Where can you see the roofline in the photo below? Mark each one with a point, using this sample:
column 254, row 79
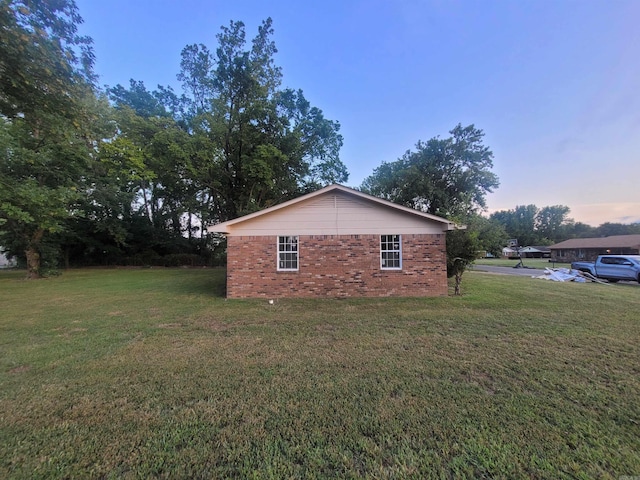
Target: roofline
column 224, row 227
column 599, row 242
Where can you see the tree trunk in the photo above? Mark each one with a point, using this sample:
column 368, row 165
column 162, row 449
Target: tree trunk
column 33, row 263
column 146, row 202
column 458, row 277
column 33, row 255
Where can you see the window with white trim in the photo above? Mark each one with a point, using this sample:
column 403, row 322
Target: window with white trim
column 390, row 252
column 288, row 253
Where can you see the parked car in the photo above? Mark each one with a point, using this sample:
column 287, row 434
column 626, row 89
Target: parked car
column 612, row 267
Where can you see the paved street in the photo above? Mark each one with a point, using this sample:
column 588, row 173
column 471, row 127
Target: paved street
column 527, row 272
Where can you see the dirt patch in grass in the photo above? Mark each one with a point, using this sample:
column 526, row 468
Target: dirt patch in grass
column 20, row 369
column 170, row 325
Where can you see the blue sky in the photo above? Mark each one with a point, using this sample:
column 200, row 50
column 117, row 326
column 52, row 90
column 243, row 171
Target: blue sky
column 553, row 84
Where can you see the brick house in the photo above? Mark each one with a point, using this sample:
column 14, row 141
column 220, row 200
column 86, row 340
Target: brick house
column 588, row 249
column 336, row 242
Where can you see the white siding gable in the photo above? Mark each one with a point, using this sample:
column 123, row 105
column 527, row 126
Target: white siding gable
column 336, row 213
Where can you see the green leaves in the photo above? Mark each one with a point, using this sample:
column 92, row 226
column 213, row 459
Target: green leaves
column 265, row 145
column 446, row 177
column 123, row 159
column 154, row 167
column 44, row 62
column 31, row 202
column 531, row 225
column 46, row 92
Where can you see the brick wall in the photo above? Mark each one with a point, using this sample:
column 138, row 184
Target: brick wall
column 336, row 266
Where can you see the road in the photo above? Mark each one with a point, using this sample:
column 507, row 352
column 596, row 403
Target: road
column 525, row 272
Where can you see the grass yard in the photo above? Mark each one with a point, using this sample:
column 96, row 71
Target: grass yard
column 152, row 373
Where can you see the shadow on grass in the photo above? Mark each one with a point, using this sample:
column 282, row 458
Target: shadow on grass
column 13, row 274
column 211, row 284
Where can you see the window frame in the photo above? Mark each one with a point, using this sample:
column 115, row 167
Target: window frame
column 282, row 241
column 385, row 241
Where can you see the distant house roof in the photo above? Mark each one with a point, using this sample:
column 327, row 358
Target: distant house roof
column 226, row 227
column 536, row 248
column 542, row 248
column 6, row 261
column 614, row 241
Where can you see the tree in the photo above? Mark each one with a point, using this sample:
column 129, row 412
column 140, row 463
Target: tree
column 446, row 177
column 579, row 230
column 607, row 229
column 46, row 101
column 462, row 250
column 256, row 145
column 531, row 225
column 148, row 171
column 520, row 223
column 551, row 222
column 464, row 245
column 490, row 234
column 43, row 60
column 149, row 134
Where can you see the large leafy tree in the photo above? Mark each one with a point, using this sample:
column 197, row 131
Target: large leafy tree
column 230, row 143
column 449, row 177
column 151, row 168
column 609, row 228
column 551, row 223
column 148, row 132
column 531, row 225
column 43, row 59
column 138, row 195
column 46, row 101
column 580, row 230
column 256, row 144
column 520, row 223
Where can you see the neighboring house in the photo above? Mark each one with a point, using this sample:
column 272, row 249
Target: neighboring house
column 535, row 251
column 6, row 262
column 336, row 242
column 589, row 248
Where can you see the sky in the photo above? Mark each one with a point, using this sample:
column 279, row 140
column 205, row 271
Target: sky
column 553, row 84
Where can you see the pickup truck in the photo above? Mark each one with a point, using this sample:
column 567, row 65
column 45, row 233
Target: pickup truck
column 612, row 267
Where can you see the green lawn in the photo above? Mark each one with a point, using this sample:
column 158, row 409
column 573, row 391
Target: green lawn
column 152, row 373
